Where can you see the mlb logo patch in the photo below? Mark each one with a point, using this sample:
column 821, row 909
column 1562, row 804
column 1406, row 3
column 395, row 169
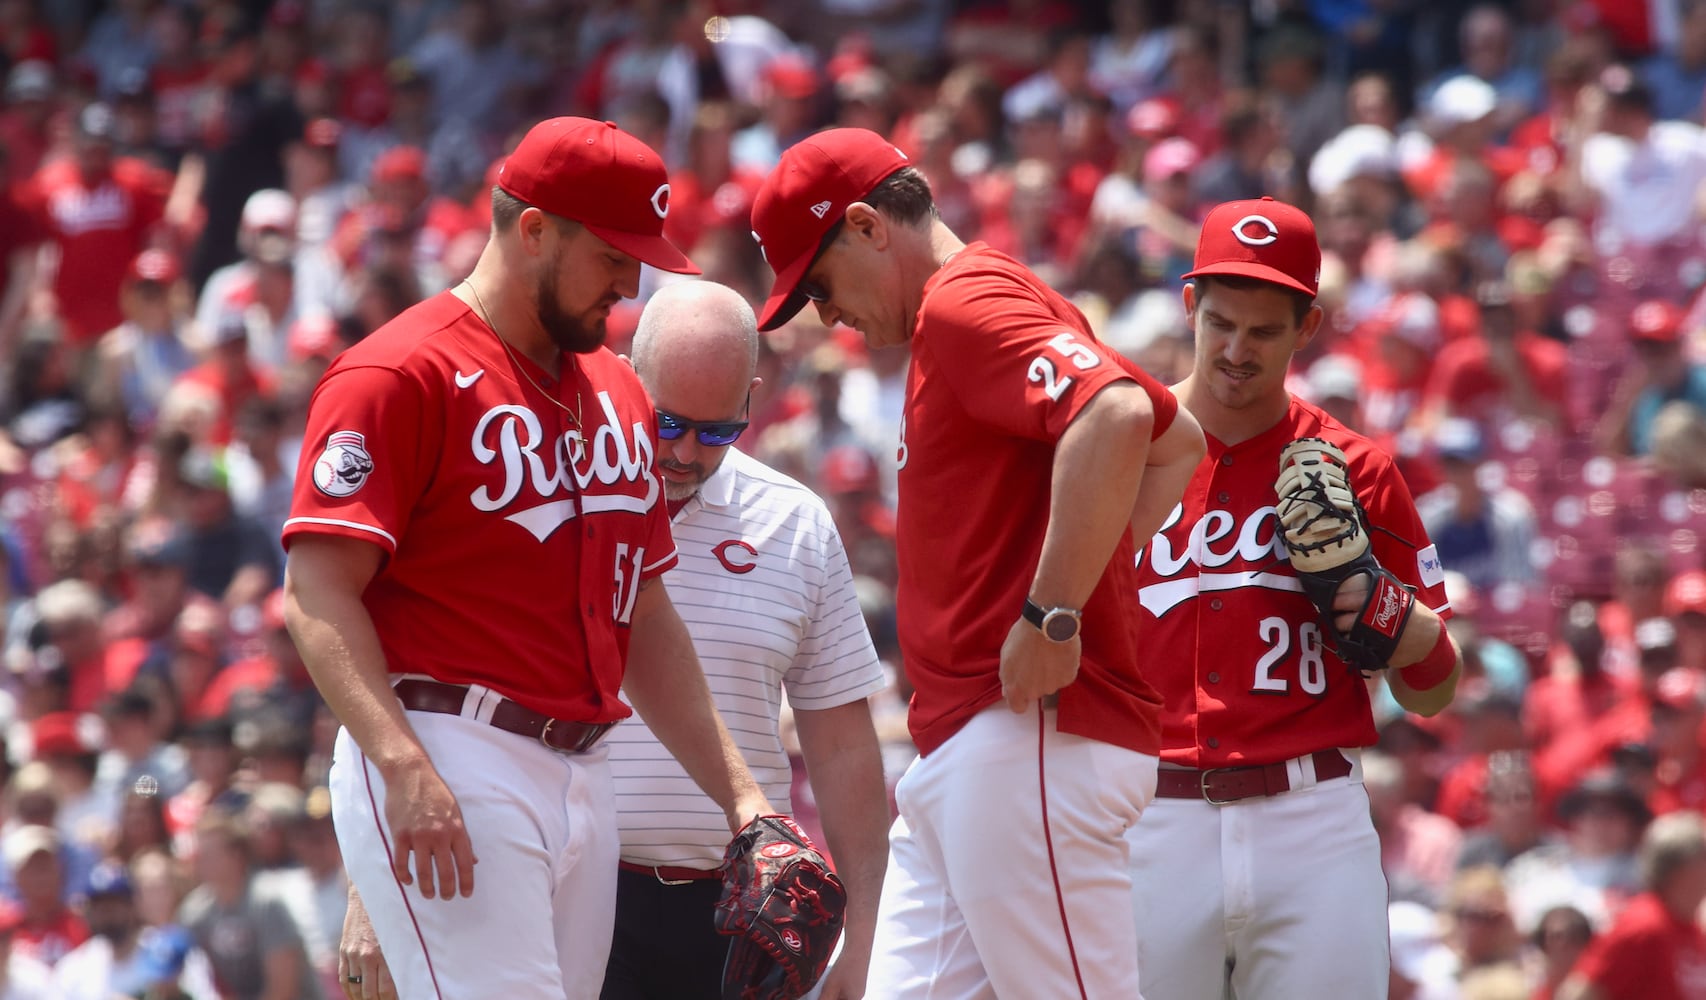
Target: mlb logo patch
column 1429, row 568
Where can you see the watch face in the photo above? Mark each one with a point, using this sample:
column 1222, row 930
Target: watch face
column 1060, row 627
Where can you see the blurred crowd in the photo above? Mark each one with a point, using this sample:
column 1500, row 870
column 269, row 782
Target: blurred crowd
column 203, row 201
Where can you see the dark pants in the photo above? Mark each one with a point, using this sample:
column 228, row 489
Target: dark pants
column 665, row 946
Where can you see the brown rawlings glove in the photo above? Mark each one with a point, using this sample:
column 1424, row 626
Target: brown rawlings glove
column 1326, row 534
column 784, row 908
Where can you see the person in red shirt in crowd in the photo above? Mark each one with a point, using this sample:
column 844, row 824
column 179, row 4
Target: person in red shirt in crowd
column 1506, row 373
column 1655, row 950
column 156, row 554
column 213, row 760
column 699, row 188
column 1576, row 690
column 1685, row 606
column 1009, row 38
column 401, row 204
column 275, row 676
column 50, row 929
column 20, row 235
column 1461, row 114
column 177, row 79
column 228, row 374
column 1678, row 709
column 1541, row 139
column 1638, row 580
column 24, row 121
column 100, row 212
column 1492, row 724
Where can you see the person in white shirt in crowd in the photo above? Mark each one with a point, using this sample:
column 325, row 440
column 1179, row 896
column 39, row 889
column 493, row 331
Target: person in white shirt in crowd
column 1639, row 177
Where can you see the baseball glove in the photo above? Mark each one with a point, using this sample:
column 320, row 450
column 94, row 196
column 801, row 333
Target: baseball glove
column 1326, row 535
column 784, row 908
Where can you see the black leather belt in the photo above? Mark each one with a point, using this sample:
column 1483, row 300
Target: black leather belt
column 556, row 734
column 1221, row 785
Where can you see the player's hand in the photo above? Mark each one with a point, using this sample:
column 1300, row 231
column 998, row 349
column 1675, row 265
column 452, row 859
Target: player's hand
column 1033, row 666
column 1348, row 601
column 359, row 957
column 426, row 822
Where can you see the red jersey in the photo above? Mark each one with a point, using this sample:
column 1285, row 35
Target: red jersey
column 51, row 941
column 516, row 541
column 1250, row 677
column 1001, row 363
column 1647, row 955
column 99, row 229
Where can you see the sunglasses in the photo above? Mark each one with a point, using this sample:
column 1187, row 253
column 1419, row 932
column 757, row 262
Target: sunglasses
column 813, row 291
column 711, row 433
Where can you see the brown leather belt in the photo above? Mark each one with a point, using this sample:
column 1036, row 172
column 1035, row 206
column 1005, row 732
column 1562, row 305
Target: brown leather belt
column 671, row 875
column 556, row 734
column 1220, row 785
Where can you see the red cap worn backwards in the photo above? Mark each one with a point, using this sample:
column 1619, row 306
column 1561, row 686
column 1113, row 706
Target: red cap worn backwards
column 601, row 177
column 1262, row 238
column 803, row 199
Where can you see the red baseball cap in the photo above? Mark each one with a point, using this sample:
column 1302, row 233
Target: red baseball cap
column 1657, row 321
column 601, row 177
column 803, row 199
column 1264, row 239
column 399, row 163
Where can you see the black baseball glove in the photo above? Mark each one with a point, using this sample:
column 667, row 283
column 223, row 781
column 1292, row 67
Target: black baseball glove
column 1326, row 534
column 784, row 908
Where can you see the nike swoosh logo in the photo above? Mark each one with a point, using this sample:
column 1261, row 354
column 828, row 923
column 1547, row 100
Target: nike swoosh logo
column 464, row 381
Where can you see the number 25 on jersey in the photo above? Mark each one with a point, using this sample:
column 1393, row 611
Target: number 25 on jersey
column 1045, row 372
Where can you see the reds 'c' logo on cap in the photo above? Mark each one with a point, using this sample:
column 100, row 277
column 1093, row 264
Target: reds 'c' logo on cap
column 660, row 201
column 1255, row 230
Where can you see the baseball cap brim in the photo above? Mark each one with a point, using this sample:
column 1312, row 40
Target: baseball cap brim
column 786, row 299
column 654, row 250
column 1251, row 269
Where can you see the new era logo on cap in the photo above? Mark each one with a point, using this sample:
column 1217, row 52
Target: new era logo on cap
column 804, row 197
column 1263, row 239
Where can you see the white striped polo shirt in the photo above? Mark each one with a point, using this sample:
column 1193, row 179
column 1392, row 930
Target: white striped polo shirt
column 766, row 591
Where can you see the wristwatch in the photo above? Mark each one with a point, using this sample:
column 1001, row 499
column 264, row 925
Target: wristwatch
column 1057, row 624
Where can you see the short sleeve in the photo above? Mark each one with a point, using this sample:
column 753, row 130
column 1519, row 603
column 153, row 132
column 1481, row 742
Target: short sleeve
column 369, row 452
column 1011, row 362
column 1161, row 398
column 835, row 662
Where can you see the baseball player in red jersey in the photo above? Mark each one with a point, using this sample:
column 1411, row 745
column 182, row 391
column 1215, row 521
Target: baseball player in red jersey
column 1037, row 728
column 474, row 543
column 1256, row 871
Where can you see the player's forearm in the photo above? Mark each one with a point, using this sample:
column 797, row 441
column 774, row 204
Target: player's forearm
column 340, row 647
column 1173, row 460
column 1421, row 632
column 666, row 685
column 1098, row 469
column 846, row 766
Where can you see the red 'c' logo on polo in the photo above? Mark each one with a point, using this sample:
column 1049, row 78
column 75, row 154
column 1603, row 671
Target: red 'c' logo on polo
column 727, row 555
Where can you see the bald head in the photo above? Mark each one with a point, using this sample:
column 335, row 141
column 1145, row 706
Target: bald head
column 696, row 328
column 696, row 350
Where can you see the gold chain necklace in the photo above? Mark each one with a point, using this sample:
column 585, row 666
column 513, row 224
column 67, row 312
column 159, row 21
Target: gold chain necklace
column 485, row 314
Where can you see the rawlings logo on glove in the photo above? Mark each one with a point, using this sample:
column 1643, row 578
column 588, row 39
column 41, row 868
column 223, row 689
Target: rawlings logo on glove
column 784, row 908
column 1325, row 530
